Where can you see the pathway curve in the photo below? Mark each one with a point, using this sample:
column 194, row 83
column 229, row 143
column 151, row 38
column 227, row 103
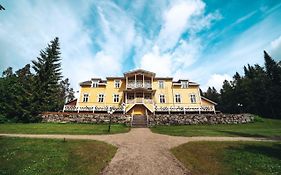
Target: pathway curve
column 142, row 152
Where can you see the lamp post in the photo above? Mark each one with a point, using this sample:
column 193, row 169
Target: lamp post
column 240, row 106
column 110, row 112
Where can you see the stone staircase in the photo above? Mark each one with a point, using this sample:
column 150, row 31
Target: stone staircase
column 139, row 121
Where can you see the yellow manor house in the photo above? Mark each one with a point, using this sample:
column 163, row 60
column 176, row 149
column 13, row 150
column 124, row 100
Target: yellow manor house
column 140, row 92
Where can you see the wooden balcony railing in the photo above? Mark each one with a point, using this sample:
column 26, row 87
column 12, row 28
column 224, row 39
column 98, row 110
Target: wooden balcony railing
column 139, row 84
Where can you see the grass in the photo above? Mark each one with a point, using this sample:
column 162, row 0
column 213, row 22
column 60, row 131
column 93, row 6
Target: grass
column 49, row 156
column 213, row 158
column 261, row 128
column 54, row 128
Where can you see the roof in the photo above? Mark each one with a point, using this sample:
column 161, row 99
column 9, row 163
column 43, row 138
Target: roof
column 86, row 83
column 163, row 78
column 209, row 100
column 114, row 77
column 139, row 71
column 71, row 102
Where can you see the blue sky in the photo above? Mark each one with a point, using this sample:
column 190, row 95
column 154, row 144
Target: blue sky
column 205, row 41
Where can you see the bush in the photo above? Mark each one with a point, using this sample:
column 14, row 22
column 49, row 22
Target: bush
column 258, row 119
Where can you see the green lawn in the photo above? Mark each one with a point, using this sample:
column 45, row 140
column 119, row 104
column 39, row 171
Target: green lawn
column 53, row 128
column 49, row 156
column 265, row 128
column 213, row 158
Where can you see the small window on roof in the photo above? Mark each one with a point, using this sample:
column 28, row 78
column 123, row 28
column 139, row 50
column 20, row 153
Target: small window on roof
column 95, row 84
column 184, row 84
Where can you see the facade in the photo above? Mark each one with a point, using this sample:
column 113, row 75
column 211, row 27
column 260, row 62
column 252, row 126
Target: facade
column 140, row 92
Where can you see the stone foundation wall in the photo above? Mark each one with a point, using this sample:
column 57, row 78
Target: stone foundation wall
column 158, row 119
column 193, row 119
column 84, row 118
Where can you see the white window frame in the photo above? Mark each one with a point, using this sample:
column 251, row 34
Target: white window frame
column 163, row 99
column 161, row 86
column 95, row 84
column 86, row 99
column 101, row 98
column 117, row 82
column 176, row 99
column 192, row 98
column 116, row 98
column 184, row 84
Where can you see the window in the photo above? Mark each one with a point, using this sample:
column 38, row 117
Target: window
column 192, row 98
column 117, row 83
column 162, row 98
column 130, row 96
column 85, row 97
column 101, row 98
column 178, row 98
column 116, row 98
column 184, row 84
column 95, row 84
column 161, row 84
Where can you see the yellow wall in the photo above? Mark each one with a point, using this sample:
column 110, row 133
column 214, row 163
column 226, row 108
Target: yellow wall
column 169, row 91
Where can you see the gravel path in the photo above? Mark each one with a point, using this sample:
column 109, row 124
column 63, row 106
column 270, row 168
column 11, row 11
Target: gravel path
column 141, row 151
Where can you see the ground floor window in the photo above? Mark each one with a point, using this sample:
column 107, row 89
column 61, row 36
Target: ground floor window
column 162, row 98
column 192, row 98
column 178, row 98
column 85, row 97
column 101, row 98
column 116, row 98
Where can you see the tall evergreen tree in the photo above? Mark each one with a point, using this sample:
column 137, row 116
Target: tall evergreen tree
column 47, row 78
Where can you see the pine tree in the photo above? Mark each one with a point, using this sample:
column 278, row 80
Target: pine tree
column 47, row 78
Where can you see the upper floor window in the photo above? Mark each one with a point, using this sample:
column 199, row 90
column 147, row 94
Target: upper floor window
column 85, row 97
column 116, row 98
column 162, row 98
column 95, row 84
column 101, row 98
column 192, row 98
column 178, row 98
column 117, row 83
column 184, row 84
column 161, row 84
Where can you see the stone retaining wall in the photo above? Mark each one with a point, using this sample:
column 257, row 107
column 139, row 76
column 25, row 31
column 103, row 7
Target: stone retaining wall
column 193, row 119
column 158, row 119
column 84, row 118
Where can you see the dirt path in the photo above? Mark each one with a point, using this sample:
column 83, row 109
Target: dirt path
column 141, row 151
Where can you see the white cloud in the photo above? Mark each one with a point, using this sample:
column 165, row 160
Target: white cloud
column 156, row 62
column 176, row 54
column 216, row 80
column 275, row 49
column 175, row 21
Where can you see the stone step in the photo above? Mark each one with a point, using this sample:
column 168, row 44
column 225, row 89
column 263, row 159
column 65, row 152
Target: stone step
column 139, row 121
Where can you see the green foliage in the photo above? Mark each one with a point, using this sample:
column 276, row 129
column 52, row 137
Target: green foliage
column 257, row 92
column 24, row 95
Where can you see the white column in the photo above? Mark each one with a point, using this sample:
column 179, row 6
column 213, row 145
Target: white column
column 126, row 97
column 126, row 82
column 143, row 80
column 135, row 80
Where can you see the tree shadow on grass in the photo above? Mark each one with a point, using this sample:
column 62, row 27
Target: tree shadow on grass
column 272, row 151
column 241, row 134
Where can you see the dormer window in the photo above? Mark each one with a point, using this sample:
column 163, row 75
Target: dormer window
column 95, row 84
column 184, row 84
column 117, row 83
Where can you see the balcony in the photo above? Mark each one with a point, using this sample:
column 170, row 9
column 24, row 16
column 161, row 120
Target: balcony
column 132, row 84
column 139, row 101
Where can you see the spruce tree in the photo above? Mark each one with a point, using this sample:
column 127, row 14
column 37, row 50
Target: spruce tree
column 47, row 78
